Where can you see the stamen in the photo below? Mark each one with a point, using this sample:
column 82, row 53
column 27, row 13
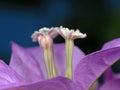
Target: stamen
column 69, row 36
column 45, row 38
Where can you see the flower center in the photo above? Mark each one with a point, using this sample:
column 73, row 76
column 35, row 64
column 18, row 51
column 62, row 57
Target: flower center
column 45, row 38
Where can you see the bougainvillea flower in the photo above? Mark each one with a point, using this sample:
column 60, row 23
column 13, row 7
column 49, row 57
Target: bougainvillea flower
column 31, row 71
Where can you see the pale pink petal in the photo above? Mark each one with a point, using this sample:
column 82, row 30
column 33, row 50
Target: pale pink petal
column 58, row 83
column 93, row 65
column 7, row 75
column 24, row 64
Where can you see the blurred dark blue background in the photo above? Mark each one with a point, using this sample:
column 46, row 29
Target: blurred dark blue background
column 100, row 19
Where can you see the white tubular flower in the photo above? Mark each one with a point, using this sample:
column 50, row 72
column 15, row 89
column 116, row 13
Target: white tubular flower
column 69, row 35
column 45, row 38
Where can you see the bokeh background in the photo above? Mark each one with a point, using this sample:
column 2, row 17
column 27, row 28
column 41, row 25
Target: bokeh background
column 100, row 19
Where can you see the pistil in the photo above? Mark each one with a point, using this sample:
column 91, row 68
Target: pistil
column 69, row 36
column 45, row 38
